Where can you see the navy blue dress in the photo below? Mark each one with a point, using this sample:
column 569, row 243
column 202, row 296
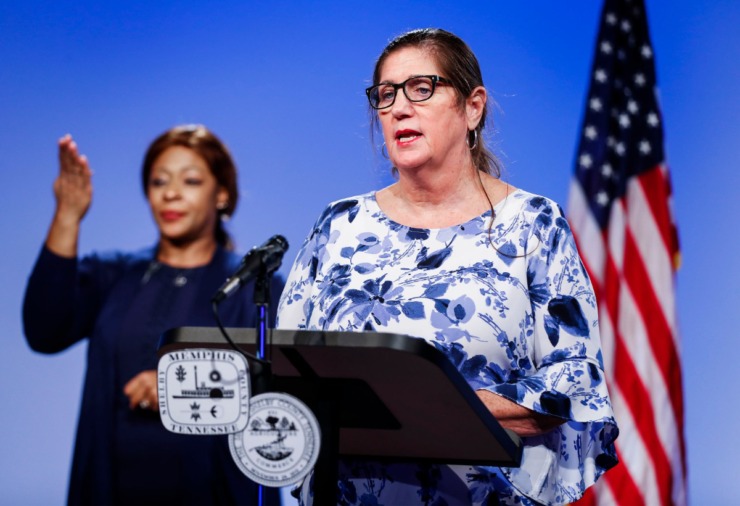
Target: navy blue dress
column 122, row 303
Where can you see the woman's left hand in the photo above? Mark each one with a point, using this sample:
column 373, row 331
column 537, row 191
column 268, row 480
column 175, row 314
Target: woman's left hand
column 141, row 391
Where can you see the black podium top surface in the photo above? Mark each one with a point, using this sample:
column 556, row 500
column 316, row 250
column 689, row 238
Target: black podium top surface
column 399, row 398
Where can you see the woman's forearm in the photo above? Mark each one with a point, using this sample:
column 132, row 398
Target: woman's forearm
column 524, row 422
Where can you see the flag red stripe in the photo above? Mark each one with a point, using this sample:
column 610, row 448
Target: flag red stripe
column 648, row 222
column 657, row 191
column 622, row 486
column 638, row 400
column 626, row 375
column 661, row 339
column 635, row 394
column 636, row 457
column 658, row 262
column 661, row 342
column 588, row 498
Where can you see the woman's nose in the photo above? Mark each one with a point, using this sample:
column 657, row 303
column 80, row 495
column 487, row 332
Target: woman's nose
column 401, row 106
column 172, row 191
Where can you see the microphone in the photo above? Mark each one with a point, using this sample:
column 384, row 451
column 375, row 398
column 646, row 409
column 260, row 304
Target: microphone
column 260, row 259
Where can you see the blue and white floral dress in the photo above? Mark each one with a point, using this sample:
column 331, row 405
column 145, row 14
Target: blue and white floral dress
column 512, row 308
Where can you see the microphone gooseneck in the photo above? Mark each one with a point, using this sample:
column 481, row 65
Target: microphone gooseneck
column 264, row 259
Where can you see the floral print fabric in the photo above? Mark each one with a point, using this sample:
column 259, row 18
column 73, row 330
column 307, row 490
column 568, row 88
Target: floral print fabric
column 513, row 309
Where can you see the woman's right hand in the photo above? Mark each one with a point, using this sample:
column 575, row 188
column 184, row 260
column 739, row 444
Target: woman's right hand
column 73, row 192
column 73, row 186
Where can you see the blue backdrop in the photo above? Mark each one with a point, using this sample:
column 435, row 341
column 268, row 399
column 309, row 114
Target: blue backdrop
column 282, row 83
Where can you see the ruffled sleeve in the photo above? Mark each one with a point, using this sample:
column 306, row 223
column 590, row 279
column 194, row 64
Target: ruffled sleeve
column 567, row 377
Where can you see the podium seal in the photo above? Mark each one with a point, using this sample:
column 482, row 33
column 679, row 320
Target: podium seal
column 281, row 442
column 203, row 392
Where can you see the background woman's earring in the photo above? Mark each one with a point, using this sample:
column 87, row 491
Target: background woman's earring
column 221, row 206
column 384, row 152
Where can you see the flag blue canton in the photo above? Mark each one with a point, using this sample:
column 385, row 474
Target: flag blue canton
column 622, row 129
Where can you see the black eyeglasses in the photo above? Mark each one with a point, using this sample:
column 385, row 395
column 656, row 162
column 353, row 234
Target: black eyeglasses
column 416, row 89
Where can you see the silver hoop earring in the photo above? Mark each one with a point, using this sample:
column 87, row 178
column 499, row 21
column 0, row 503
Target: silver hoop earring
column 475, row 139
column 384, row 152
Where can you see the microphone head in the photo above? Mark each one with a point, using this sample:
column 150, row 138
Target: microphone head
column 264, row 259
column 279, row 242
column 273, row 251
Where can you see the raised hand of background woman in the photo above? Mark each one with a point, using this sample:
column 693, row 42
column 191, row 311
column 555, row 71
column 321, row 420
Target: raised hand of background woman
column 73, row 193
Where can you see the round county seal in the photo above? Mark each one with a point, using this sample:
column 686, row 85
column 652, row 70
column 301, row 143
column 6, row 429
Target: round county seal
column 281, row 442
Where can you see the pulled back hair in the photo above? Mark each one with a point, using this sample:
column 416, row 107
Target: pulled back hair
column 459, row 65
column 209, row 147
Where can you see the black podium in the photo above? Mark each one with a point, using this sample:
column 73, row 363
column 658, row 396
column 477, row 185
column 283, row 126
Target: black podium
column 376, row 395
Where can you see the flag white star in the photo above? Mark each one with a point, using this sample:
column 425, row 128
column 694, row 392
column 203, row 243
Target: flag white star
column 606, row 48
column 600, row 75
column 639, row 79
column 595, row 104
column 606, row 170
column 652, row 119
column 585, row 161
column 590, row 132
column 626, row 26
column 645, row 147
column 602, row 198
column 619, row 148
column 646, row 52
column 632, row 107
column 610, row 141
column 611, row 18
column 624, row 120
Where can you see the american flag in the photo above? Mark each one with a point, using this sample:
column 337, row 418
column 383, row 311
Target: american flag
column 620, row 209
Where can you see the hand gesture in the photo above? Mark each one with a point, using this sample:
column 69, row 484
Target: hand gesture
column 73, row 186
column 73, row 192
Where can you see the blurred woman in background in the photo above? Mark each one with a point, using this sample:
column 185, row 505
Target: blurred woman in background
column 122, row 302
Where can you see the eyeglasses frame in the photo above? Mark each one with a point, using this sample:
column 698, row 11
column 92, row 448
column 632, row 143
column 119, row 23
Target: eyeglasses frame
column 435, row 81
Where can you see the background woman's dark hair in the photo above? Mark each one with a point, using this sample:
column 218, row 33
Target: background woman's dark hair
column 213, row 151
column 457, row 64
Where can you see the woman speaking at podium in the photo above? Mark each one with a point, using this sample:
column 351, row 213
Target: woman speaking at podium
column 122, row 302
column 485, row 272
